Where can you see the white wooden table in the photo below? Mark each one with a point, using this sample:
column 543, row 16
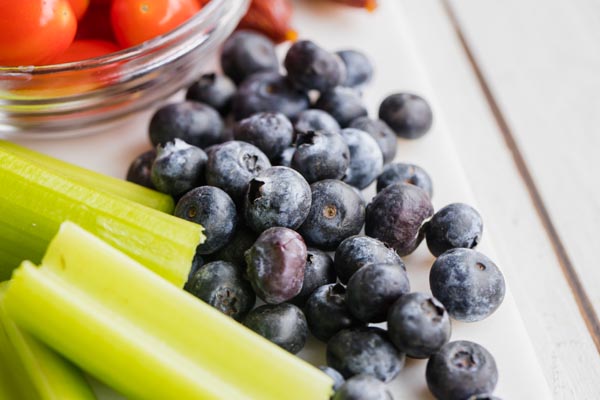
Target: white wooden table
column 514, row 85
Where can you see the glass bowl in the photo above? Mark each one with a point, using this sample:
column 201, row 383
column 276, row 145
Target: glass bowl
column 84, row 96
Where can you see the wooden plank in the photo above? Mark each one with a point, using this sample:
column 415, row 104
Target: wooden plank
column 551, row 315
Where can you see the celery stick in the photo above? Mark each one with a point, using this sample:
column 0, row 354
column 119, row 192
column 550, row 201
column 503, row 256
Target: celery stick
column 34, row 202
column 31, row 370
column 94, row 180
column 144, row 337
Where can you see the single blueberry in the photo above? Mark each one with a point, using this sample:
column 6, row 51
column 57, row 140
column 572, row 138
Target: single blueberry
column 140, row 170
column 234, row 249
column 319, row 271
column 268, row 91
column 276, row 264
column 362, row 387
column 247, row 52
column 214, row 90
column 311, row 67
column 178, row 167
column 212, row 208
column 460, row 370
column 372, row 290
column 283, row 324
column 327, row 313
column 278, row 196
column 457, row 225
column 383, row 135
column 468, row 284
column 405, row 173
column 396, row 214
column 336, row 213
column 321, row 155
column 344, row 104
column 366, row 159
column 338, row 379
column 408, row 115
column 316, row 120
column 364, row 350
column 270, row 132
column 195, row 123
column 418, row 325
column 359, row 69
column 232, row 165
column 221, row 285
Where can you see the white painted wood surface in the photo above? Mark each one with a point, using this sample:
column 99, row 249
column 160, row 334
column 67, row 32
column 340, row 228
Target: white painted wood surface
column 563, row 344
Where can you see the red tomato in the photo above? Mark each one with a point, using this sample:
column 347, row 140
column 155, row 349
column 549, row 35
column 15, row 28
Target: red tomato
column 79, row 7
column 84, row 49
column 95, row 24
column 135, row 21
column 34, row 31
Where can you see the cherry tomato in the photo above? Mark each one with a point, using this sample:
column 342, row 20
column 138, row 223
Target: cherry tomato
column 84, row 49
column 79, row 7
column 95, row 24
column 34, row 31
column 135, row 21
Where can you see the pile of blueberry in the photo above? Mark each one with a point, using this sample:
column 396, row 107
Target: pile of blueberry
column 272, row 166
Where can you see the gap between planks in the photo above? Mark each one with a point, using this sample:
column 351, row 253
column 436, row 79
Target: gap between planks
column 581, row 298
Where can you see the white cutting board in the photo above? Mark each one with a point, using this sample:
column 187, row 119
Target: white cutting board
column 383, row 36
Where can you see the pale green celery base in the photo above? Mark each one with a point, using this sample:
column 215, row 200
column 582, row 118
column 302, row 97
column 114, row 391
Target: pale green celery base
column 94, row 180
column 34, row 371
column 34, row 202
column 145, row 337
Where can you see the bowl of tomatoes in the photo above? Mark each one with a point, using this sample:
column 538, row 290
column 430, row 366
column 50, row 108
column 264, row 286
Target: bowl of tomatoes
column 78, row 65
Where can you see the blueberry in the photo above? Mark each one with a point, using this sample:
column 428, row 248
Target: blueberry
column 408, row 115
column 327, row 313
column 283, row 324
column 396, row 214
column 233, row 251
column 310, row 67
column 221, row 285
column 405, row 173
column 336, row 213
column 418, row 325
column 366, row 159
column 270, row 132
column 344, row 104
column 321, row 155
column 316, row 120
column 178, row 167
column 357, row 251
column 461, row 369
column 247, row 52
column 373, row 289
column 364, row 350
column 140, row 170
column 285, row 158
column 232, row 165
column 362, row 387
column 214, row 90
column 359, row 69
column 278, row 196
column 468, row 284
column 195, row 123
column 383, row 135
column 268, row 91
column 319, row 271
column 197, row 262
column 338, row 379
column 457, row 225
column 276, row 264
column 212, row 208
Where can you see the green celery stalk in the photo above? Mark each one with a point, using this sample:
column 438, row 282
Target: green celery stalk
column 30, row 370
column 94, row 180
column 144, row 337
column 35, row 201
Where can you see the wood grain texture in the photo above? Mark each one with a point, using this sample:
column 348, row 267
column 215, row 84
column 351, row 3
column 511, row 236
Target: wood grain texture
column 550, row 313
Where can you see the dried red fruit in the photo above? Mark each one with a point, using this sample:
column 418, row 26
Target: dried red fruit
column 272, row 18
